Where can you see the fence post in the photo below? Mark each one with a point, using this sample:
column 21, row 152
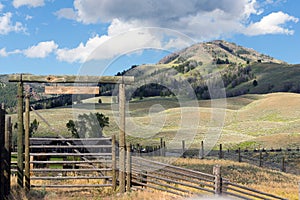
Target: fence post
column 7, row 170
column 128, row 168
column 122, row 142
column 27, row 142
column 283, row 164
column 183, row 148
column 20, row 173
column 164, row 150
column 240, row 158
column 114, row 163
column 260, row 158
column 161, row 147
column 218, row 179
column 299, row 189
column 202, row 150
column 2, row 154
column 220, row 152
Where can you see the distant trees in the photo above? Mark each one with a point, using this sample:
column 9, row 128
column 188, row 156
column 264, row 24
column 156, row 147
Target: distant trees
column 88, row 125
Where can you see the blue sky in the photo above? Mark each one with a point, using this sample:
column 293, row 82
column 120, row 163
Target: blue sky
column 60, row 36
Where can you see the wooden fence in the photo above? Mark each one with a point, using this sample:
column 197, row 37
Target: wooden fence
column 186, row 182
column 72, row 159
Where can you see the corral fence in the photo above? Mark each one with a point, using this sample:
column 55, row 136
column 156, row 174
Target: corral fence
column 65, row 160
column 277, row 159
column 186, row 182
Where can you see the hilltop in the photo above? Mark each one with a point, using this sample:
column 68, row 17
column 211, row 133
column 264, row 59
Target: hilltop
column 242, row 71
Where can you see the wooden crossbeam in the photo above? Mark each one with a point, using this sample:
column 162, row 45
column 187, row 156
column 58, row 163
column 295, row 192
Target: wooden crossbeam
column 71, row 79
column 71, row 90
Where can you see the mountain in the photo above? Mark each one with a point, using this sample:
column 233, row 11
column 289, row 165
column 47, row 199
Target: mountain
column 242, row 70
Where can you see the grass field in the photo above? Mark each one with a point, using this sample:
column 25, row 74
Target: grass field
column 270, row 120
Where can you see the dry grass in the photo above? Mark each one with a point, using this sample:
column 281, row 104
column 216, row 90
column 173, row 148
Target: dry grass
column 258, row 118
column 274, row 182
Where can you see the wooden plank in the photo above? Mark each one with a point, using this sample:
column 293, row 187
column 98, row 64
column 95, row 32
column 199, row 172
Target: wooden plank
column 70, row 154
column 69, row 139
column 71, row 90
column 71, row 79
column 70, row 170
column 71, row 186
column 69, row 177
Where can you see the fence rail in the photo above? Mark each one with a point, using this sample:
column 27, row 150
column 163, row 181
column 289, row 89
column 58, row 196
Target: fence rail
column 185, row 182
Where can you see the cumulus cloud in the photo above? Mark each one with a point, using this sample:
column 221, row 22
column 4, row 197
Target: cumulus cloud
column 7, row 26
column 41, row 50
column 82, row 51
column 29, row 3
column 272, row 24
column 200, row 19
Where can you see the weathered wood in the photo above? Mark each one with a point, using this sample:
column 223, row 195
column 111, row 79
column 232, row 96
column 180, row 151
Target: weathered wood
column 220, row 152
column 252, row 190
column 8, row 148
column 240, row 158
column 72, row 186
column 2, row 154
column 69, row 162
column 27, row 142
column 122, row 174
column 71, row 90
column 283, row 164
column 202, row 150
column 161, row 152
column 70, row 154
column 183, row 148
column 260, row 158
column 20, row 141
column 114, row 163
column 69, row 177
column 218, row 179
column 71, row 79
column 70, row 139
column 69, row 147
column 70, row 170
column 128, row 168
column 142, row 160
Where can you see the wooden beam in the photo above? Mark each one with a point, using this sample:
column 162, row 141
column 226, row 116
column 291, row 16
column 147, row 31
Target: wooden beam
column 71, row 79
column 71, row 90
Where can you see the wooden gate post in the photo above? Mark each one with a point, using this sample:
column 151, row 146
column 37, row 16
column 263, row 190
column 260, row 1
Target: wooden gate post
column 218, row 179
column 27, row 142
column 128, row 168
column 2, row 154
column 8, row 147
column 122, row 99
column 114, row 163
column 20, row 173
column 260, row 158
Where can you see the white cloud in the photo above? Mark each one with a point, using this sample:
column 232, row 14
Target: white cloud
column 82, row 52
column 67, row 13
column 29, row 3
column 1, row 7
column 41, row 50
column 3, row 52
column 6, row 25
column 28, row 17
column 202, row 19
column 272, row 24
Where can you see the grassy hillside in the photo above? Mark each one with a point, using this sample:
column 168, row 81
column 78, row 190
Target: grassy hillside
column 270, row 120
